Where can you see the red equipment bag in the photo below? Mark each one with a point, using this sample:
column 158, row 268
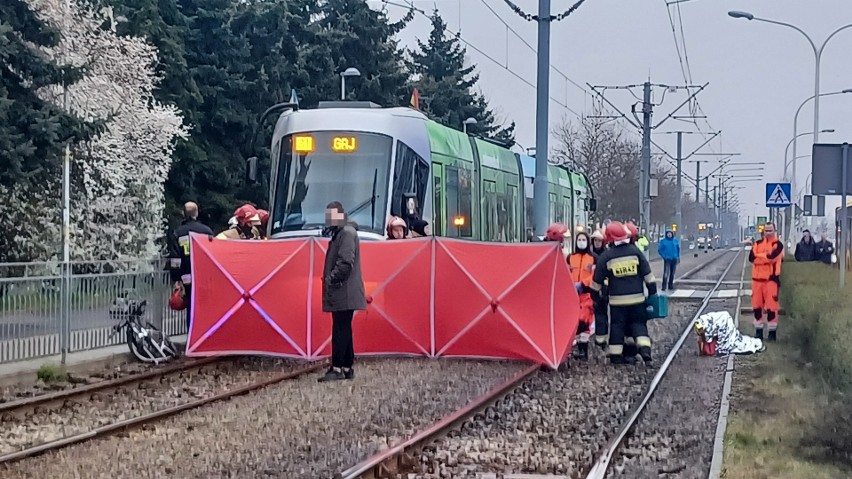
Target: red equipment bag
column 177, row 301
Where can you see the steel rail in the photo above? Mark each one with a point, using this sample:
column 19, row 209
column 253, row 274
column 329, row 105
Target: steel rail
column 601, row 466
column 152, row 417
column 387, row 459
column 13, row 407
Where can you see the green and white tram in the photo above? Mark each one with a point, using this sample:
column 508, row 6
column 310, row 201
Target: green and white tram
column 379, row 162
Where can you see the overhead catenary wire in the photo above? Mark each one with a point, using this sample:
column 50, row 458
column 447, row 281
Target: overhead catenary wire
column 505, row 66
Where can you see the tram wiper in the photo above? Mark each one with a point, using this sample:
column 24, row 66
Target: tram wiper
column 371, row 201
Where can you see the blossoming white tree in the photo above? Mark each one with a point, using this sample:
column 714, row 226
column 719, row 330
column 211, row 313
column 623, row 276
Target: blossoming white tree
column 117, row 178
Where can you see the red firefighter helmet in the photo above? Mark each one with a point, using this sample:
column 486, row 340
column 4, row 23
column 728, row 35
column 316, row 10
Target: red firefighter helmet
column 616, row 231
column 634, row 231
column 264, row 217
column 556, row 232
column 247, row 215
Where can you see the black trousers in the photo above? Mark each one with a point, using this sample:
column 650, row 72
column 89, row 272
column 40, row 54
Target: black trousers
column 187, row 288
column 601, row 321
column 669, row 268
column 342, row 349
column 627, row 321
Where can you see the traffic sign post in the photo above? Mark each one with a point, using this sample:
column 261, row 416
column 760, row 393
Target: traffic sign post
column 830, row 166
column 778, row 195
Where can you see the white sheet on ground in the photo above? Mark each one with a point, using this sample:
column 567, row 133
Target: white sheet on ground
column 720, row 325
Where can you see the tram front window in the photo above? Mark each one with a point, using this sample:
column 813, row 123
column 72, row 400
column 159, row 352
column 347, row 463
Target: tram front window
column 320, row 167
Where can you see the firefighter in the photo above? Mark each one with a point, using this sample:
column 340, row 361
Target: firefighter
column 179, row 259
column 582, row 264
column 247, row 219
column 766, row 255
column 627, row 270
column 264, row 224
column 557, row 232
column 601, row 306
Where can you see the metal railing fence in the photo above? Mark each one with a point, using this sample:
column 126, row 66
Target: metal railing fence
column 44, row 312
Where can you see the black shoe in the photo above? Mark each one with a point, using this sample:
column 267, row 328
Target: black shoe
column 630, row 351
column 601, row 344
column 582, row 352
column 758, row 333
column 645, row 352
column 332, row 375
column 772, row 336
column 349, row 373
column 617, row 359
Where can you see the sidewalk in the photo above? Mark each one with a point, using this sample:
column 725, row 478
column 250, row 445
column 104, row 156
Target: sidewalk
column 76, row 361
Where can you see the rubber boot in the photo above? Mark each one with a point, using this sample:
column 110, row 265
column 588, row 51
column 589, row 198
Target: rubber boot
column 758, row 333
column 582, row 352
column 645, row 352
column 772, row 336
column 617, row 359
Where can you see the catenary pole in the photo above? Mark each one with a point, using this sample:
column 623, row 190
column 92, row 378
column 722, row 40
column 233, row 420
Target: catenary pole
column 541, row 118
column 645, row 188
column 679, row 202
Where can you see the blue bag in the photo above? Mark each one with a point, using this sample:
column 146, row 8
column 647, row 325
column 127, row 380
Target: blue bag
column 657, row 306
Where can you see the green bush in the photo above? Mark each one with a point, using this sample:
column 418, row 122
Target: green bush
column 51, row 373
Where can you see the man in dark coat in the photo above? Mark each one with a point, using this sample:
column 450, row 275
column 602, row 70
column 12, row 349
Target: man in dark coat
column 342, row 290
column 824, row 249
column 806, row 250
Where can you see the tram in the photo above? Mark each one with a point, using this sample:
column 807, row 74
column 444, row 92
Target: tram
column 381, row 162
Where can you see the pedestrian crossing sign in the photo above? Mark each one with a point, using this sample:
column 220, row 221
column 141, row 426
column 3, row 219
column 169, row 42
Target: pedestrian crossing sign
column 778, row 195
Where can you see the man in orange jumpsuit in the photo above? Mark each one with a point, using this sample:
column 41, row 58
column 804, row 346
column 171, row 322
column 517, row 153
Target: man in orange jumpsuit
column 766, row 255
column 582, row 264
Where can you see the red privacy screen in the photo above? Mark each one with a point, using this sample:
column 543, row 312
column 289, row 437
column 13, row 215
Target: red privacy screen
column 432, row 297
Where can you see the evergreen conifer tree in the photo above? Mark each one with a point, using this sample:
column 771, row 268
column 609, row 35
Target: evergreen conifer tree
column 446, row 85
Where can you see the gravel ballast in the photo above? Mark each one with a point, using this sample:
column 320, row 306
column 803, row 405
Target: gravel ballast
column 294, row 429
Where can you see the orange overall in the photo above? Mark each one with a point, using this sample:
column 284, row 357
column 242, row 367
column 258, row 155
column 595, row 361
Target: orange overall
column 582, row 268
column 766, row 257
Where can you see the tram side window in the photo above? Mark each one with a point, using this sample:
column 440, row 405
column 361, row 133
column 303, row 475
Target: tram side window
column 411, row 175
column 437, row 223
column 512, row 213
column 489, row 223
column 459, row 200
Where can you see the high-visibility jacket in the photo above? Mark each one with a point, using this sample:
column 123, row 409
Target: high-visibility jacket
column 766, row 256
column 582, row 267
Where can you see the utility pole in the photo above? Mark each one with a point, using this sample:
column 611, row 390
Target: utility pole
column 645, row 170
column 541, row 118
column 646, row 127
column 678, row 204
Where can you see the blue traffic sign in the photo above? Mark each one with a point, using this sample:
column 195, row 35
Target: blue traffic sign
column 778, row 195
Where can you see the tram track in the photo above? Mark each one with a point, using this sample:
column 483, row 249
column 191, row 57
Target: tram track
column 401, row 459
column 49, row 422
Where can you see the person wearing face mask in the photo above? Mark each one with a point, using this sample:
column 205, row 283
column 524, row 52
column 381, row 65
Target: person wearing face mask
column 601, row 306
column 582, row 265
column 766, row 255
column 806, row 250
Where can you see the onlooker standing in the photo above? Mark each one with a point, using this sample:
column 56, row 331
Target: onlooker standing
column 824, row 249
column 342, row 290
column 179, row 260
column 766, row 256
column 806, row 250
column 669, row 250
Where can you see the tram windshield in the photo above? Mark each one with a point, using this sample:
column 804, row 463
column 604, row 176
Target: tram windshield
column 320, row 167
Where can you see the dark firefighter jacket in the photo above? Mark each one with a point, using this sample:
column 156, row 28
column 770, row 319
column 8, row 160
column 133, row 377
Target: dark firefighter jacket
column 181, row 269
column 626, row 271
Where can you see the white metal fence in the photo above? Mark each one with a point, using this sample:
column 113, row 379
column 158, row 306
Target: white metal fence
column 44, row 311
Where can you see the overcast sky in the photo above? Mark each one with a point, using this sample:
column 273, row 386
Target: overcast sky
column 758, row 73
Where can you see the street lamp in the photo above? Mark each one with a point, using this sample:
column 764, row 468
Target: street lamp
column 793, row 160
column 470, row 121
column 349, row 72
column 817, row 56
